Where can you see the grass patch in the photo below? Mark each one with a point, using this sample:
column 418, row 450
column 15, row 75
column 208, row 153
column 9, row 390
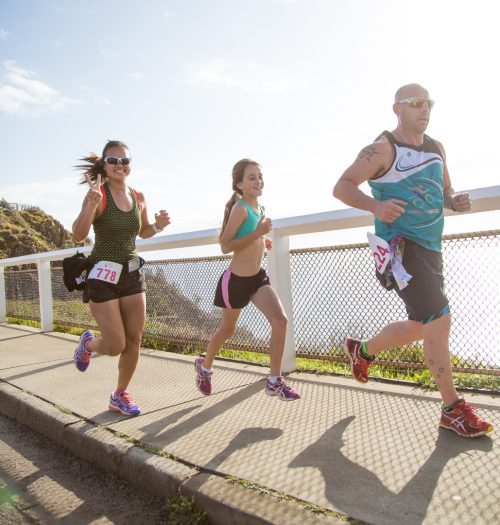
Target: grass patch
column 185, row 511
column 7, row 495
column 315, row 509
column 410, row 353
column 23, row 322
column 64, row 410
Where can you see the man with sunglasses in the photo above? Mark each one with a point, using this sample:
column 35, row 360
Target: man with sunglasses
column 410, row 185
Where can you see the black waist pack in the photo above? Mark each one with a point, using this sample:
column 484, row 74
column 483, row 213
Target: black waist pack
column 75, row 271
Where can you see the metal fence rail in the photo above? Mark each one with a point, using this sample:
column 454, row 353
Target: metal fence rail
column 170, row 322
column 334, row 294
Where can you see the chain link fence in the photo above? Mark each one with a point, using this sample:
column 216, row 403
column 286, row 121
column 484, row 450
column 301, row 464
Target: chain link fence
column 335, row 294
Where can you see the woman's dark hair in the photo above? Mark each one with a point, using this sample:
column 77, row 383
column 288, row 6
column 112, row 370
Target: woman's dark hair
column 237, row 174
column 94, row 165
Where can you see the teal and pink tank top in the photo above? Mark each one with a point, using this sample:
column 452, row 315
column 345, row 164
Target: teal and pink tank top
column 416, row 177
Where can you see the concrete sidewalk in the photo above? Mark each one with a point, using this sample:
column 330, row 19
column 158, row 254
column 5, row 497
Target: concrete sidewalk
column 372, row 452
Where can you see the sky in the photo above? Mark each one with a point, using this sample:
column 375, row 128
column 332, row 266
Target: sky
column 192, row 86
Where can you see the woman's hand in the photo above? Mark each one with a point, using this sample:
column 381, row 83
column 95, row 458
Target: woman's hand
column 162, row 219
column 94, row 194
column 268, row 243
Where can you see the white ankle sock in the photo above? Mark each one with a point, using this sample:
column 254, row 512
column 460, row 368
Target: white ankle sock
column 209, row 370
column 273, row 379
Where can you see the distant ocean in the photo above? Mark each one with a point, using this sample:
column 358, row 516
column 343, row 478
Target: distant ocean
column 337, row 295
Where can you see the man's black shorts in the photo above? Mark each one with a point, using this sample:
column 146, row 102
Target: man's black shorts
column 424, row 296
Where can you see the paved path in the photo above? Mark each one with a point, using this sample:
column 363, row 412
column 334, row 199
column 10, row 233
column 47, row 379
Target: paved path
column 371, row 452
column 46, row 485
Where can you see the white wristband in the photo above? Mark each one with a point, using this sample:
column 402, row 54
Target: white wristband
column 156, row 229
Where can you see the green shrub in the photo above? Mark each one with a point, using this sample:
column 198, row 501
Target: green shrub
column 185, row 511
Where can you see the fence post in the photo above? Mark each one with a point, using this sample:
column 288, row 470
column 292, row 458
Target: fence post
column 3, row 297
column 278, row 264
column 45, row 291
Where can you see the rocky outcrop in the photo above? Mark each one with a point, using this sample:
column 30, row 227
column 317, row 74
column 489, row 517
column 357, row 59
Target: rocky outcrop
column 30, row 230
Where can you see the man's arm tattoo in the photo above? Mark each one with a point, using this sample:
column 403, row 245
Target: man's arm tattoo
column 367, row 153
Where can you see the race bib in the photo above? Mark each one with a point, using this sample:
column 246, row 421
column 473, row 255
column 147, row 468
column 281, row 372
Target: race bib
column 106, row 271
column 381, row 251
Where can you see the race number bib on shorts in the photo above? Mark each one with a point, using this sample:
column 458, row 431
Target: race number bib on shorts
column 381, row 251
column 106, row 271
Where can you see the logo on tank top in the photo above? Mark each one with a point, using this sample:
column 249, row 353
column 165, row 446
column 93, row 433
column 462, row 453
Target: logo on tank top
column 426, row 201
column 403, row 166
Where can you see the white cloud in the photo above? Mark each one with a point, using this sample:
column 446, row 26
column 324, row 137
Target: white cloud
column 281, row 84
column 3, row 34
column 110, row 54
column 36, row 192
column 58, row 42
column 137, row 75
column 248, row 76
column 213, row 72
column 21, row 93
column 92, row 97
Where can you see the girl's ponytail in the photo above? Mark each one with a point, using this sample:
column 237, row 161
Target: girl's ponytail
column 235, row 197
column 237, row 176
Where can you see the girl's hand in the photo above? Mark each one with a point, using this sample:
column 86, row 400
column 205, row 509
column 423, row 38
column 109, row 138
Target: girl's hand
column 268, row 243
column 162, row 219
column 264, row 227
column 94, row 194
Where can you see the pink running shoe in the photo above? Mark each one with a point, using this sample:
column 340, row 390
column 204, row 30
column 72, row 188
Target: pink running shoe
column 463, row 420
column 359, row 365
column 82, row 355
column 122, row 402
column 281, row 389
column 203, row 378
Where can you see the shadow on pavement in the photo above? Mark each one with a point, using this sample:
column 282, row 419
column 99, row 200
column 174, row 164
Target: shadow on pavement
column 347, row 483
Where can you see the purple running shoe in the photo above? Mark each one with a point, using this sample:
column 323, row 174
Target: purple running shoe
column 281, row 389
column 82, row 355
column 122, row 402
column 203, row 378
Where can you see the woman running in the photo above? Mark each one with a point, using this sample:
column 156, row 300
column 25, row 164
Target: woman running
column 115, row 283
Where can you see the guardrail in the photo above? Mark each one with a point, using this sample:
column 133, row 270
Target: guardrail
column 278, row 259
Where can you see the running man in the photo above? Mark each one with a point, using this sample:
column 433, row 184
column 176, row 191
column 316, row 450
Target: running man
column 410, row 184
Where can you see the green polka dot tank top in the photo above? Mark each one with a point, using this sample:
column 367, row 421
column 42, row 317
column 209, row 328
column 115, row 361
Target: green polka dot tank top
column 115, row 231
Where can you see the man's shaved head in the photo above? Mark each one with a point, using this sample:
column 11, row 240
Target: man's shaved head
column 410, row 90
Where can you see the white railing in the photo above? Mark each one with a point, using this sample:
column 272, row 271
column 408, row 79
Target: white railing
column 483, row 199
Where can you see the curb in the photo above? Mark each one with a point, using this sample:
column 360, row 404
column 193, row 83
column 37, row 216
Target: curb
column 225, row 502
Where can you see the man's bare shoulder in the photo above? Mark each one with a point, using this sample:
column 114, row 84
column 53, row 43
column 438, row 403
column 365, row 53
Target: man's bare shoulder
column 378, row 151
column 440, row 146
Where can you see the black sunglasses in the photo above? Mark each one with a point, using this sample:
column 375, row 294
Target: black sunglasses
column 125, row 161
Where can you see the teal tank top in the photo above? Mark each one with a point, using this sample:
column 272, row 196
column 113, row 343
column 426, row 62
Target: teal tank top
column 416, row 177
column 250, row 224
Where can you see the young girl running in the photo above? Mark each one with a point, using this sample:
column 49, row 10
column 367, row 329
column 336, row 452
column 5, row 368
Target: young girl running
column 115, row 283
column 243, row 232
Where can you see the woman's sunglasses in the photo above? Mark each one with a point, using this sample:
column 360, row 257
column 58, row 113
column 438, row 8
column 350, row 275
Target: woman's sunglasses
column 124, row 161
column 417, row 102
